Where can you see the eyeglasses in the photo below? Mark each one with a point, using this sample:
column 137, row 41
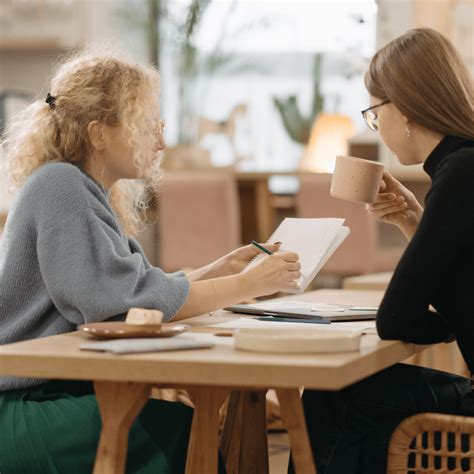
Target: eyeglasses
column 369, row 116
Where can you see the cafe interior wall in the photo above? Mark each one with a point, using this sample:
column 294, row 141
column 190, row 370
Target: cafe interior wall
column 34, row 33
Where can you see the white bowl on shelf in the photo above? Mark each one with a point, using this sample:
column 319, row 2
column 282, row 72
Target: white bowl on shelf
column 296, row 340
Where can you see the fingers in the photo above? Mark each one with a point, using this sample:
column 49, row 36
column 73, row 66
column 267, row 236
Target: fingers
column 272, row 247
column 385, row 203
column 293, row 266
column 294, row 275
column 389, row 179
column 388, row 182
column 388, row 210
column 289, row 256
column 387, row 197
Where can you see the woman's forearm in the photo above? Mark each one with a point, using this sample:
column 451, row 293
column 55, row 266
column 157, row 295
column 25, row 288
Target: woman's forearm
column 213, row 294
column 214, row 269
column 277, row 272
column 199, row 274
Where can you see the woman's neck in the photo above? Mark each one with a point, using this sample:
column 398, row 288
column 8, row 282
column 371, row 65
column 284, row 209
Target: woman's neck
column 425, row 141
column 98, row 172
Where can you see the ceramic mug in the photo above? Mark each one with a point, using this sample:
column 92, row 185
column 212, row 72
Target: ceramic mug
column 355, row 179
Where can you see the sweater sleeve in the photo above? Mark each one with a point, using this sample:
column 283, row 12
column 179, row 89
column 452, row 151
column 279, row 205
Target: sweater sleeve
column 444, row 231
column 88, row 267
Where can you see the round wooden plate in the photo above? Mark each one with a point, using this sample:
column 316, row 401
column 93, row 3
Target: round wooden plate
column 119, row 330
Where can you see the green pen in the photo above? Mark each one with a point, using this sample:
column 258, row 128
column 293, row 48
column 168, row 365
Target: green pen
column 263, row 249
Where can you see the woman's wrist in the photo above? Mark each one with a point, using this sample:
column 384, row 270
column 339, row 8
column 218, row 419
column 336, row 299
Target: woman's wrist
column 410, row 226
column 246, row 285
column 409, row 229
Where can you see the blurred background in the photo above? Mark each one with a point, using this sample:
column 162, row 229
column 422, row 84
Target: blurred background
column 258, row 96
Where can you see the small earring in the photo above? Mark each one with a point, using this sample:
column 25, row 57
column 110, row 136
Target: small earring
column 407, row 132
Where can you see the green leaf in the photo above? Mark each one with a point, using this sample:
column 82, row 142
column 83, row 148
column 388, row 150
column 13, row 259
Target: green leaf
column 298, row 128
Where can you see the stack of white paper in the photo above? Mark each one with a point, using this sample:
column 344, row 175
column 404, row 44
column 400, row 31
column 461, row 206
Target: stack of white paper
column 314, row 240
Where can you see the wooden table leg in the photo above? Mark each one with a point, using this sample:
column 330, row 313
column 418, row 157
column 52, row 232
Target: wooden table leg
column 244, row 444
column 119, row 404
column 204, row 440
column 293, row 415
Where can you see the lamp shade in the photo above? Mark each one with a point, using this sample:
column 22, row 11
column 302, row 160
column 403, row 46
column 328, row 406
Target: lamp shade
column 328, row 139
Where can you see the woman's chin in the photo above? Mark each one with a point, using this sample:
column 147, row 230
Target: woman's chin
column 404, row 160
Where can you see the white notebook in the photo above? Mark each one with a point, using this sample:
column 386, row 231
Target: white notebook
column 314, row 240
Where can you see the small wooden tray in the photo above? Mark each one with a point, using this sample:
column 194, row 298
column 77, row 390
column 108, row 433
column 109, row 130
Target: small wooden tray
column 120, row 330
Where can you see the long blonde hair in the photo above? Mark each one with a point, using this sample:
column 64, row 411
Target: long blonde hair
column 424, row 76
column 90, row 85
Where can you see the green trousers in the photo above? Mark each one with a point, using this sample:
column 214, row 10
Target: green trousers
column 54, row 428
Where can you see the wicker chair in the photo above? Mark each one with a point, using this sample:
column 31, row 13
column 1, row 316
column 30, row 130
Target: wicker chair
column 431, row 443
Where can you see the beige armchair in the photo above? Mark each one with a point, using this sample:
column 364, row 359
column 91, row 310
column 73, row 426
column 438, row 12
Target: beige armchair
column 363, row 251
column 198, row 218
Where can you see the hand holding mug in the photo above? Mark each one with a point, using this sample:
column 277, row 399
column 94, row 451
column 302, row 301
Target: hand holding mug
column 396, row 205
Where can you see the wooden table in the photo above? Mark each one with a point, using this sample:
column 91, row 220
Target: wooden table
column 123, row 384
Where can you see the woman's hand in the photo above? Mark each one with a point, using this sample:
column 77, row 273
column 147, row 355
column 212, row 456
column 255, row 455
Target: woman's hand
column 230, row 264
column 238, row 259
column 274, row 273
column 396, row 205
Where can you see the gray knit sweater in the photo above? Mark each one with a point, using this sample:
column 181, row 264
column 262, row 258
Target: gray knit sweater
column 64, row 261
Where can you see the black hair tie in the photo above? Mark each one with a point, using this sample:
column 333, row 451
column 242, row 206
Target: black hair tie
column 51, row 101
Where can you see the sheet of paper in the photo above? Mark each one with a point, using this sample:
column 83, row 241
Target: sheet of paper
column 137, row 345
column 208, row 338
column 314, row 239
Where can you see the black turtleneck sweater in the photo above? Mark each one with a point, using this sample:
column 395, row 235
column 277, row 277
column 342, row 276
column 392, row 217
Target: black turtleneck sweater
column 437, row 267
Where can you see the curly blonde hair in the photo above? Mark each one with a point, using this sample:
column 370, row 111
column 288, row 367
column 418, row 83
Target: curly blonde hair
column 91, row 86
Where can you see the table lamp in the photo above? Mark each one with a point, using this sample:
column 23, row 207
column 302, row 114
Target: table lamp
column 328, row 139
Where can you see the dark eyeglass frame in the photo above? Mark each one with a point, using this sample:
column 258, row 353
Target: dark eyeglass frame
column 366, row 116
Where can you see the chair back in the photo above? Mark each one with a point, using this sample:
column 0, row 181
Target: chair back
column 357, row 254
column 431, row 443
column 198, row 217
